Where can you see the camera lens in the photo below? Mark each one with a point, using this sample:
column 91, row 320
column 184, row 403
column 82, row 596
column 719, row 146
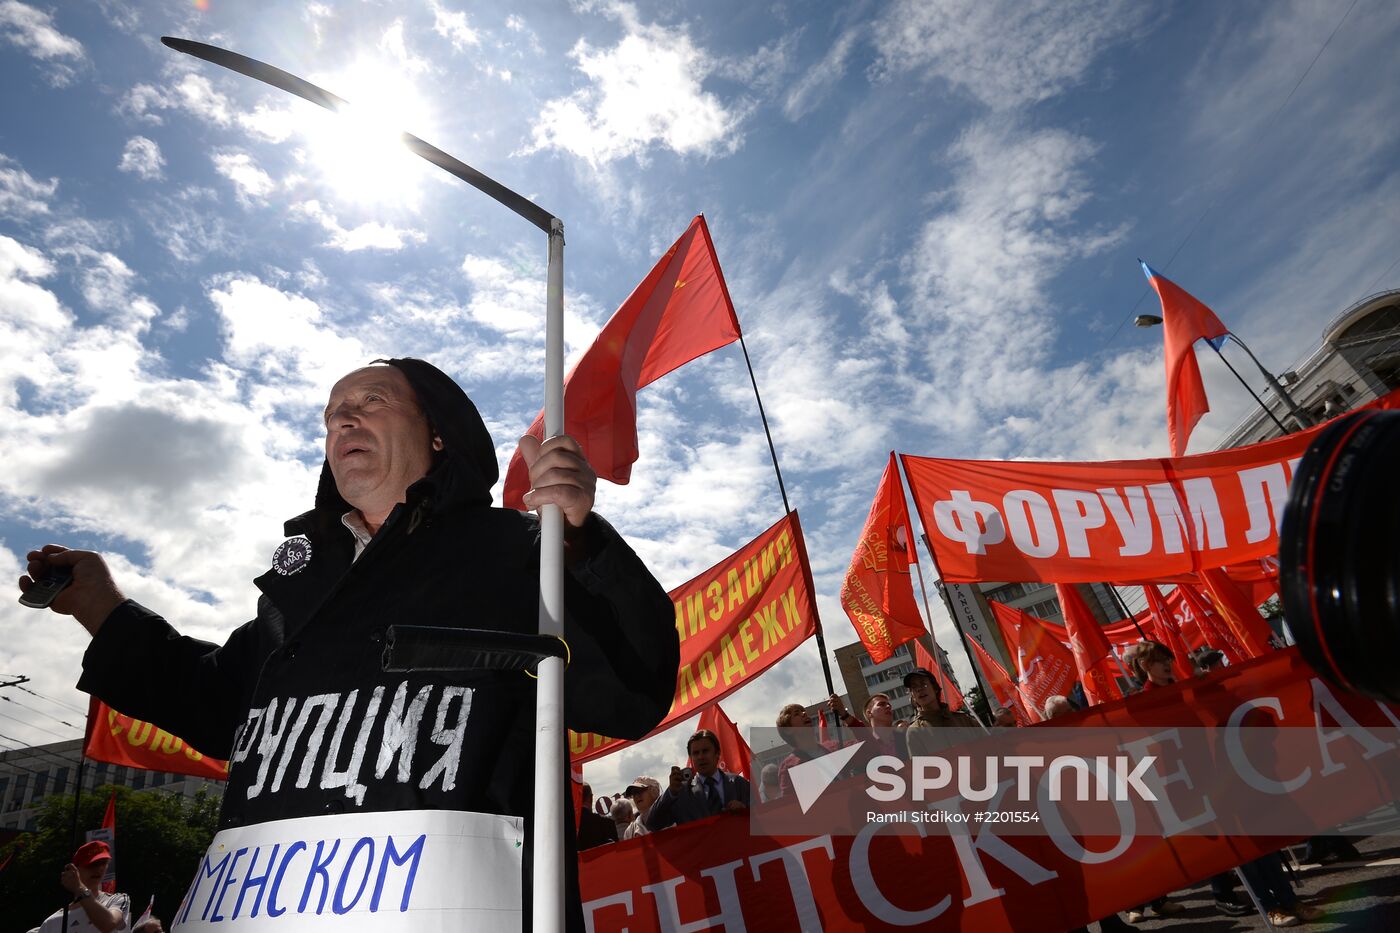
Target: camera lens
column 1339, row 564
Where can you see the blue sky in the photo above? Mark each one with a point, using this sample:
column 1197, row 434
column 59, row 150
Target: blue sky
column 928, row 214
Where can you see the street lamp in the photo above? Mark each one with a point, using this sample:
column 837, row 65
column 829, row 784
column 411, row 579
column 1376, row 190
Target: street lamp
column 548, row 843
column 1302, row 417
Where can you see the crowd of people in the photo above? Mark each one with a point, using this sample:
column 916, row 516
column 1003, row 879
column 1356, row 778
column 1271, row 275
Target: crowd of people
column 703, row 790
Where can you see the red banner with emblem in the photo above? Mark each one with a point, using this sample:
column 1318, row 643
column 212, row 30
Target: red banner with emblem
column 1124, row 521
column 735, row 621
column 121, row 740
column 716, row 872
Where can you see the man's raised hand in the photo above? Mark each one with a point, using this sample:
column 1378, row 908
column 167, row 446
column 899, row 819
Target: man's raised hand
column 92, row 595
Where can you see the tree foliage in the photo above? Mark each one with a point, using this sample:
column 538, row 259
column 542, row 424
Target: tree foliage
column 974, row 698
column 159, row 841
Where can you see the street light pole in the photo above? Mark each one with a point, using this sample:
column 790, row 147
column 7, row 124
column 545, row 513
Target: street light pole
column 547, row 904
column 1302, row 417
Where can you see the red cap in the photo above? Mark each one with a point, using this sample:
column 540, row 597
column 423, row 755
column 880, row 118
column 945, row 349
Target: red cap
column 90, row 852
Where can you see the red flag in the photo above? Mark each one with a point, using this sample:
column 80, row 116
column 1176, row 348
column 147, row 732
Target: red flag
column 1237, row 611
column 1092, row 655
column 1215, row 632
column 1044, row 665
column 576, row 791
column 107, row 833
column 1164, row 627
column 1184, row 321
column 120, row 740
column 734, row 754
column 877, row 593
column 680, row 311
column 952, row 696
column 1006, row 691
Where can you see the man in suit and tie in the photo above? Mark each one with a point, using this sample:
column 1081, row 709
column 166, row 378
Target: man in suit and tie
column 709, row 790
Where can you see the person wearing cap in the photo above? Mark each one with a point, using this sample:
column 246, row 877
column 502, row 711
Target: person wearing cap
column 403, row 532
column 91, row 908
column 643, row 792
column 930, row 713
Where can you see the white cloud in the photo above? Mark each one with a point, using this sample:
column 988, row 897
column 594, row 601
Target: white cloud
column 141, row 156
column 807, row 94
column 368, row 235
column 643, row 92
column 22, row 193
column 453, row 26
column 1005, row 53
column 392, row 42
column 192, row 93
column 250, row 181
column 33, row 30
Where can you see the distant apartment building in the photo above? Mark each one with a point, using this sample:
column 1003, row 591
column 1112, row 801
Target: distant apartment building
column 28, row 775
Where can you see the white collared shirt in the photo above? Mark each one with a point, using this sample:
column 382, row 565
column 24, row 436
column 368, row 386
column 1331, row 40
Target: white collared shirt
column 359, row 529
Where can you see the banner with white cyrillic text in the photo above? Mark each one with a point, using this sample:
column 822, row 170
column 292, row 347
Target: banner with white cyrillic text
column 1124, row 521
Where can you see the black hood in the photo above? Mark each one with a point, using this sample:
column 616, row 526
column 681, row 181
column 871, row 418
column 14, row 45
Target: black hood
column 465, row 470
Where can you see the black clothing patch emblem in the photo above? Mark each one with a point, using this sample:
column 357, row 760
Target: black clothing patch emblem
column 292, row 555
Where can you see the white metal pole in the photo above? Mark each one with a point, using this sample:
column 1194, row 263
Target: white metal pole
column 548, row 848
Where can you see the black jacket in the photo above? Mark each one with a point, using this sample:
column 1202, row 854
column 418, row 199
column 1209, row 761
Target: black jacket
column 296, row 698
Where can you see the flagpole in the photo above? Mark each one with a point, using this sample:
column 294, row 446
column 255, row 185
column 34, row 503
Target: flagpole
column 1123, row 607
column 787, row 509
column 773, row 452
column 73, row 829
column 1303, row 417
column 928, row 614
column 962, row 636
column 1248, row 388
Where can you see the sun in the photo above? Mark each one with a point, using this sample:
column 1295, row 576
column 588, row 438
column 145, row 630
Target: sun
column 357, row 151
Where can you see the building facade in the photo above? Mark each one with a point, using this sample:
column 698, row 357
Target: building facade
column 1358, row 361
column 28, row 775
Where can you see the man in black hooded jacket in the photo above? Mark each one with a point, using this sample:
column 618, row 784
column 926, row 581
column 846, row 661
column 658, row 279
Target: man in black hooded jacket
column 402, row 532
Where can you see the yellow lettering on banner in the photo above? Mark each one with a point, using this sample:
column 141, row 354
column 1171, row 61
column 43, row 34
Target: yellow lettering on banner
column 581, row 742
column 768, row 560
column 165, row 743
column 686, row 687
column 714, row 591
column 736, row 592
column 785, row 546
column 708, row 675
column 768, row 620
column 729, row 656
column 193, row 755
column 746, row 638
column 139, row 733
column 790, row 612
column 695, row 612
column 114, row 723
column 753, row 578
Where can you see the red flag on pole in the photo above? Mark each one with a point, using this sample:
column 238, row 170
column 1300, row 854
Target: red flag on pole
column 1215, row 632
column 1237, row 611
column 1184, row 321
column 878, row 593
column 107, row 833
column 1093, row 657
column 1165, row 628
column 1044, row 665
column 680, row 311
column 952, row 696
column 1006, row 691
column 734, row 754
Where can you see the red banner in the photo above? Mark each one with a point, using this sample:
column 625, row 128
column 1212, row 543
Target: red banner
column 735, row 621
column 1125, row 521
column 121, row 740
column 715, row 872
column 877, row 593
